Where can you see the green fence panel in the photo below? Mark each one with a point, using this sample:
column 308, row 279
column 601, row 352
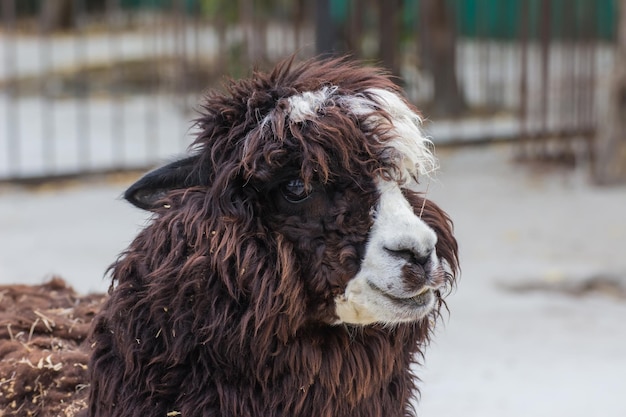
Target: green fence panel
column 501, row 19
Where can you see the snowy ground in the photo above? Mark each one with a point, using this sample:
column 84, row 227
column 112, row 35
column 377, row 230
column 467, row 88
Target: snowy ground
column 539, row 354
column 500, row 352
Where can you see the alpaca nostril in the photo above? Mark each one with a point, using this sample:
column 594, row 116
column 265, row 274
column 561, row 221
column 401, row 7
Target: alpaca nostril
column 410, row 256
column 405, row 254
column 422, row 260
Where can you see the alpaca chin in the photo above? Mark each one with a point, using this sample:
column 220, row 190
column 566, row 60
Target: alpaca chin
column 365, row 304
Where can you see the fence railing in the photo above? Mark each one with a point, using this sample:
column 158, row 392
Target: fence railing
column 100, row 85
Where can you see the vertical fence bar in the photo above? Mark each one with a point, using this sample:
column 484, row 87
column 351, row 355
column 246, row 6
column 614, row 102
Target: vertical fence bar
column 118, row 128
column 82, row 103
column 149, row 40
column 196, row 17
column 297, row 22
column 180, row 54
column 590, row 100
column 587, row 100
column 388, row 35
column 12, row 107
column 223, row 50
column 184, row 57
column 246, row 10
column 483, row 37
column 523, row 80
column 565, row 83
column 580, row 55
column 48, row 128
column 544, row 35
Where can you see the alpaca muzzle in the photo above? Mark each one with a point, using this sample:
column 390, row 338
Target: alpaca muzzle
column 400, row 270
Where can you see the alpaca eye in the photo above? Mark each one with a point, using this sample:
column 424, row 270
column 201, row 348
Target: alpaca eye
column 295, row 190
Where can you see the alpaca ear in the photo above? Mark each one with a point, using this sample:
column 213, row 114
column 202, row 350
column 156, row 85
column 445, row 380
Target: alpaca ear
column 152, row 187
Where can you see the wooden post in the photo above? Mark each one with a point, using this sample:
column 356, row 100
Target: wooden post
column 439, row 23
column 610, row 162
column 324, row 29
column 388, row 34
column 56, row 14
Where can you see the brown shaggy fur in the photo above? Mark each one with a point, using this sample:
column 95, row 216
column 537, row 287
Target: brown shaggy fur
column 43, row 360
column 223, row 305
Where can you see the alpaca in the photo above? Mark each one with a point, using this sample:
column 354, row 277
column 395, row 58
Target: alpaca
column 291, row 266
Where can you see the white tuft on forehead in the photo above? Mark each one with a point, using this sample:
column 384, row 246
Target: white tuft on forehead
column 405, row 134
column 305, row 106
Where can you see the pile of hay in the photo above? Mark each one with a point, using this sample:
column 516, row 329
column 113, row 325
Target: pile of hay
column 43, row 348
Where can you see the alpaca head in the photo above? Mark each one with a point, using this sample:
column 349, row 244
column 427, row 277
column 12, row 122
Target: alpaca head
column 303, row 191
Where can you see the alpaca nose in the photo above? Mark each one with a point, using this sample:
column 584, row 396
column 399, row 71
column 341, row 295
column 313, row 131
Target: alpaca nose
column 411, row 256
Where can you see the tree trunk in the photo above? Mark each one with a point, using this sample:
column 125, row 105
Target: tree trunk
column 254, row 32
column 56, row 15
column 298, row 21
column 439, row 53
column 610, row 162
column 325, row 31
column 389, row 35
column 354, row 34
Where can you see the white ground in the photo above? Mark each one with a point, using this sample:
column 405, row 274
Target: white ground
column 528, row 354
column 500, row 353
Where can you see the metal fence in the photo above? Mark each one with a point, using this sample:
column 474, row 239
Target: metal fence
column 101, row 85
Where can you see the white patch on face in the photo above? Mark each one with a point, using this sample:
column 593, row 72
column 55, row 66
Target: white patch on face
column 378, row 294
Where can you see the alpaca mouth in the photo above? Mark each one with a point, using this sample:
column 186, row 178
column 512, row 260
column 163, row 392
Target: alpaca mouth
column 422, row 298
column 365, row 302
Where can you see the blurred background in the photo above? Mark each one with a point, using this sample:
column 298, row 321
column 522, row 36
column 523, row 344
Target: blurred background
column 91, row 86
column 525, row 101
